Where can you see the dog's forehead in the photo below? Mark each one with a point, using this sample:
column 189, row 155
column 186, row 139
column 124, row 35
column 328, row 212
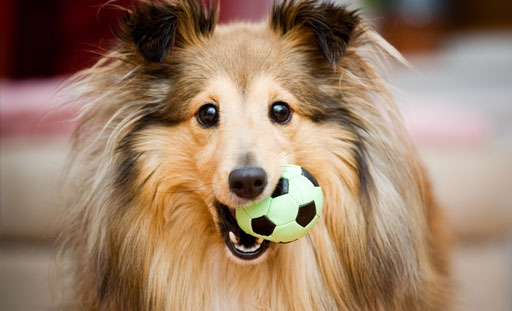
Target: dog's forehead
column 249, row 56
column 242, row 52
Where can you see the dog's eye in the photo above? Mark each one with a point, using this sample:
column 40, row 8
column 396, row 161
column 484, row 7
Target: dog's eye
column 208, row 115
column 280, row 112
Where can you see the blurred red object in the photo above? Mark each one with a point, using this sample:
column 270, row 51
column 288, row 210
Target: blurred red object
column 6, row 35
column 52, row 37
column 55, row 37
column 410, row 38
column 244, row 10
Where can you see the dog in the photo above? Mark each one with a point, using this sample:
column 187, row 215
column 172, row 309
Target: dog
column 181, row 103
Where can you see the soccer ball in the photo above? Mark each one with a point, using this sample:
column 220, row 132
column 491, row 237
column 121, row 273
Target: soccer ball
column 289, row 213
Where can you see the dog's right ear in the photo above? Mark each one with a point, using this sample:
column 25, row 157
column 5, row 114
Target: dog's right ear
column 155, row 28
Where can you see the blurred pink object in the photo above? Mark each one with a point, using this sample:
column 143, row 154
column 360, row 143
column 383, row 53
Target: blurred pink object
column 32, row 108
column 435, row 122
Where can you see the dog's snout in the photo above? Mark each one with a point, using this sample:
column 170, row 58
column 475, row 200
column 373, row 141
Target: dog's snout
column 248, row 182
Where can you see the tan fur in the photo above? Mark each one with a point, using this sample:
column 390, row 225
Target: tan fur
column 157, row 242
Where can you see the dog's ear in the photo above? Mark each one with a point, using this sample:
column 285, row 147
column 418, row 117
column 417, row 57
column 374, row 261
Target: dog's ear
column 331, row 25
column 154, row 28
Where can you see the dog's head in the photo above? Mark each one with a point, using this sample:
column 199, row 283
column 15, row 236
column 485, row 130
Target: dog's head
column 199, row 119
column 218, row 111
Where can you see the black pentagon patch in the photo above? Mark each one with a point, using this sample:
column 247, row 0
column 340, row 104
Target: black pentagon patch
column 306, row 213
column 281, row 188
column 262, row 226
column 310, row 177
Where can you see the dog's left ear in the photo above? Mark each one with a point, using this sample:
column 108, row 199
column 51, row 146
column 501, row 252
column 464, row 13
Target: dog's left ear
column 331, row 25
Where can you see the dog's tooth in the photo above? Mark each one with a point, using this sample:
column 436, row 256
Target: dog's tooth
column 233, row 237
column 243, row 248
column 246, row 249
column 240, row 247
column 254, row 248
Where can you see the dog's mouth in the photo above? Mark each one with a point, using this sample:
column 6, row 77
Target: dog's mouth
column 241, row 244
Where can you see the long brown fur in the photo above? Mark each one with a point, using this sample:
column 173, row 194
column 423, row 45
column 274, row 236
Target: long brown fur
column 143, row 232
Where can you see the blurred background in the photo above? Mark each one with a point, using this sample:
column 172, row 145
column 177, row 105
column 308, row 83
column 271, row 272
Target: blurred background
column 457, row 104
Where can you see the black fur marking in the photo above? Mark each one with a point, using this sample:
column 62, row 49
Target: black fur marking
column 343, row 117
column 127, row 165
column 365, row 179
column 306, row 213
column 155, row 28
column 128, row 158
column 105, row 282
column 334, row 112
column 332, row 25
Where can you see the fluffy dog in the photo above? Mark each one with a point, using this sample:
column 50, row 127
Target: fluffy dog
column 181, row 103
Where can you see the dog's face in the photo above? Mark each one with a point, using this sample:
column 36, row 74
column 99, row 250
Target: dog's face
column 244, row 126
column 243, row 138
column 239, row 103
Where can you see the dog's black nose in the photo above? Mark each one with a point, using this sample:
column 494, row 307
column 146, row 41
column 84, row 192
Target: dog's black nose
column 248, row 182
